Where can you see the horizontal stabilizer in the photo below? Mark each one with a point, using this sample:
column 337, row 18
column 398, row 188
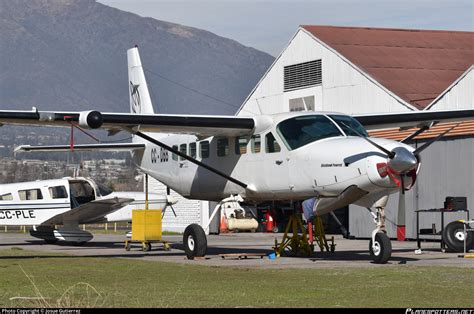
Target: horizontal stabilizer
column 115, row 147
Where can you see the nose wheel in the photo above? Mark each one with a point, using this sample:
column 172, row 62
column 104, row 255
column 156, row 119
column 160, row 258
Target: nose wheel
column 380, row 247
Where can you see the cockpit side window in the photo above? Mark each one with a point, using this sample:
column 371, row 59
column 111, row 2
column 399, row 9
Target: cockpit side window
column 348, row 123
column 302, row 130
column 82, row 192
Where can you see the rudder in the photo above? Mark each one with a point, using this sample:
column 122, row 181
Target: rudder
column 140, row 101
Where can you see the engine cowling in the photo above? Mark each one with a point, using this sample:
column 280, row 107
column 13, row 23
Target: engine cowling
column 90, row 119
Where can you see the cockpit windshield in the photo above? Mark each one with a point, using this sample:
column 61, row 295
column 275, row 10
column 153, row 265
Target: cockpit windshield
column 348, row 123
column 103, row 190
column 299, row 131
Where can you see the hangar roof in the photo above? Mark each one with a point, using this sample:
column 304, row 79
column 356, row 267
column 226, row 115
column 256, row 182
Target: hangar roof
column 416, row 65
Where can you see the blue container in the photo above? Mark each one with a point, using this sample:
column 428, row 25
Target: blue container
column 272, row 256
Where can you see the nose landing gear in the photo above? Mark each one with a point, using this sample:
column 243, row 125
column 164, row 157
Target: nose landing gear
column 380, row 247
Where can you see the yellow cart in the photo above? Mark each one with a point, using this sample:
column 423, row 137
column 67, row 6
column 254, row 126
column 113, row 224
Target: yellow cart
column 146, row 229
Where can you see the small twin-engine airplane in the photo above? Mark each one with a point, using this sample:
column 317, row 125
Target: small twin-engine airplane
column 68, row 202
column 287, row 156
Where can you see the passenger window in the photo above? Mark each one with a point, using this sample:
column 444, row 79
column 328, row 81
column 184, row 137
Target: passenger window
column 241, row 145
column 192, row 150
column 6, row 197
column 222, row 147
column 58, row 192
column 255, row 143
column 271, row 144
column 182, row 149
column 30, row 195
column 174, row 156
column 204, row 149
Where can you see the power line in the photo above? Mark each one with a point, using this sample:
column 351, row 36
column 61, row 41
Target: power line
column 192, row 89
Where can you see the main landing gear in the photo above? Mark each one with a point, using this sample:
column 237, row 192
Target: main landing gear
column 380, row 247
column 194, row 241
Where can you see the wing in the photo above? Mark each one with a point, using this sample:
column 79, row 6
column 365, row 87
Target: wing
column 90, row 211
column 200, row 125
column 412, row 119
column 114, row 147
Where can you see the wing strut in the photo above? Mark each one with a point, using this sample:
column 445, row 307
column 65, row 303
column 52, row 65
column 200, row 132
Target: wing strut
column 189, row 158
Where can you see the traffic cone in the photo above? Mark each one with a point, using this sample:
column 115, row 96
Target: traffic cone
column 223, row 226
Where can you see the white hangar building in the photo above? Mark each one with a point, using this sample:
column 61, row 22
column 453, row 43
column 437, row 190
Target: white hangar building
column 367, row 70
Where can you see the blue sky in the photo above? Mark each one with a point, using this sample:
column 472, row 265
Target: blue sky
column 269, row 25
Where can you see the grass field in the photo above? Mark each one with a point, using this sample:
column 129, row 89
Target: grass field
column 29, row 279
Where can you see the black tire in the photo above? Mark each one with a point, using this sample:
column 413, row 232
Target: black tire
column 275, row 229
column 453, row 237
column 385, row 248
column 194, row 241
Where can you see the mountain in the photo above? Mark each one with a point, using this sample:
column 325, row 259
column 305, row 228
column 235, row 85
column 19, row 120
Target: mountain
column 71, row 55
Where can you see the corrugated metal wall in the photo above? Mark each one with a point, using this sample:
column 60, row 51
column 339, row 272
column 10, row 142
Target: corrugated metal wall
column 460, row 96
column 187, row 211
column 447, row 170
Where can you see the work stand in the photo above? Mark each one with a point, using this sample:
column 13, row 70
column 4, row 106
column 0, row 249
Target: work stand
column 296, row 244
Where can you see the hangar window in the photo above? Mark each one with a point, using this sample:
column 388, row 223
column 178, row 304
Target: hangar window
column 302, row 75
column 271, row 145
column 300, row 131
column 222, row 147
column 204, row 149
column 58, row 192
column 182, row 149
column 192, row 150
column 30, row 195
column 302, row 104
column 174, row 156
column 241, row 145
column 6, row 197
column 255, row 143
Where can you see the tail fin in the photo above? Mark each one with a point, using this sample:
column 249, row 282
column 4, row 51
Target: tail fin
column 140, row 101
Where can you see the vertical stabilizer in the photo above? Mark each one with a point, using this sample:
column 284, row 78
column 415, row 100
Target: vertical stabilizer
column 140, row 101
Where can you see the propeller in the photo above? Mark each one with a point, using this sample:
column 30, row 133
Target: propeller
column 170, row 200
column 401, row 163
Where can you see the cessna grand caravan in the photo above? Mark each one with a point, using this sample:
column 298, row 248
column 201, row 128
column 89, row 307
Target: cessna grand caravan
column 287, row 156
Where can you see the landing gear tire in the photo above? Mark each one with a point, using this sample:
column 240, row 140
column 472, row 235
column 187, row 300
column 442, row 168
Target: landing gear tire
column 194, row 241
column 453, row 237
column 382, row 250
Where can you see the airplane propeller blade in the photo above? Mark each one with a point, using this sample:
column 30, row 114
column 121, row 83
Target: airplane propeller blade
column 425, row 146
column 401, row 203
column 401, row 219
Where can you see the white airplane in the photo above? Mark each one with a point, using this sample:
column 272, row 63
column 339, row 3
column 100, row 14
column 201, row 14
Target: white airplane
column 287, row 156
column 68, row 202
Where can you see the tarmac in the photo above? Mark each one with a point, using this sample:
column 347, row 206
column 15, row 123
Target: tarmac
column 348, row 253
